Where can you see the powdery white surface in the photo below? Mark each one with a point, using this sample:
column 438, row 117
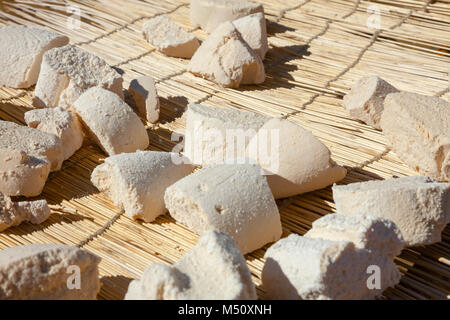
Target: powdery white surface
column 253, row 30
column 226, row 59
column 207, row 128
column 145, row 96
column 235, row 199
column 209, row 14
column 40, row 272
column 63, row 124
column 169, row 38
column 212, row 270
column 137, row 181
column 14, row 213
column 33, row 142
column 111, row 122
column 67, row 72
column 418, row 129
column 365, row 101
column 21, row 51
column 419, row 206
column 298, row 267
column 296, row 161
column 21, row 173
column 379, row 235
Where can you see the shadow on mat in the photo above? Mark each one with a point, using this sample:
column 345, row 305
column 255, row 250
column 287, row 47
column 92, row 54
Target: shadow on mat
column 10, row 109
column 282, row 280
column 56, row 217
column 277, row 67
column 73, row 181
column 358, row 175
column 172, row 108
column 114, row 287
column 274, row 28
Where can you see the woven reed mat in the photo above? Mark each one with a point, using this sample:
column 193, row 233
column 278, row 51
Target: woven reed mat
column 318, row 48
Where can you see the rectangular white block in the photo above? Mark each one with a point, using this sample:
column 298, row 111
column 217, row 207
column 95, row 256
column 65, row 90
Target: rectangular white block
column 419, row 206
column 209, row 14
column 253, row 30
column 67, row 72
column 111, row 122
column 215, row 134
column 235, row 199
column 21, row 173
column 295, row 161
column 365, row 101
column 21, row 51
column 137, row 181
column 145, row 97
column 379, row 235
column 169, row 38
column 418, row 129
column 316, row 269
column 42, row 271
column 226, row 59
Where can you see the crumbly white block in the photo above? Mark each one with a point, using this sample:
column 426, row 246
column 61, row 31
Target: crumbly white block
column 235, row 199
column 145, row 97
column 381, row 236
column 419, row 206
column 43, row 271
column 111, row 122
column 14, row 213
column 315, row 269
column 63, row 124
column 295, row 160
column 365, row 101
column 33, row 142
column 195, row 276
column 226, row 59
column 209, row 14
column 7, row 214
column 21, row 51
column 169, row 38
column 137, row 181
column 253, row 30
column 22, row 174
column 418, row 129
column 67, row 72
column 159, row 282
column 35, row 212
column 207, row 129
